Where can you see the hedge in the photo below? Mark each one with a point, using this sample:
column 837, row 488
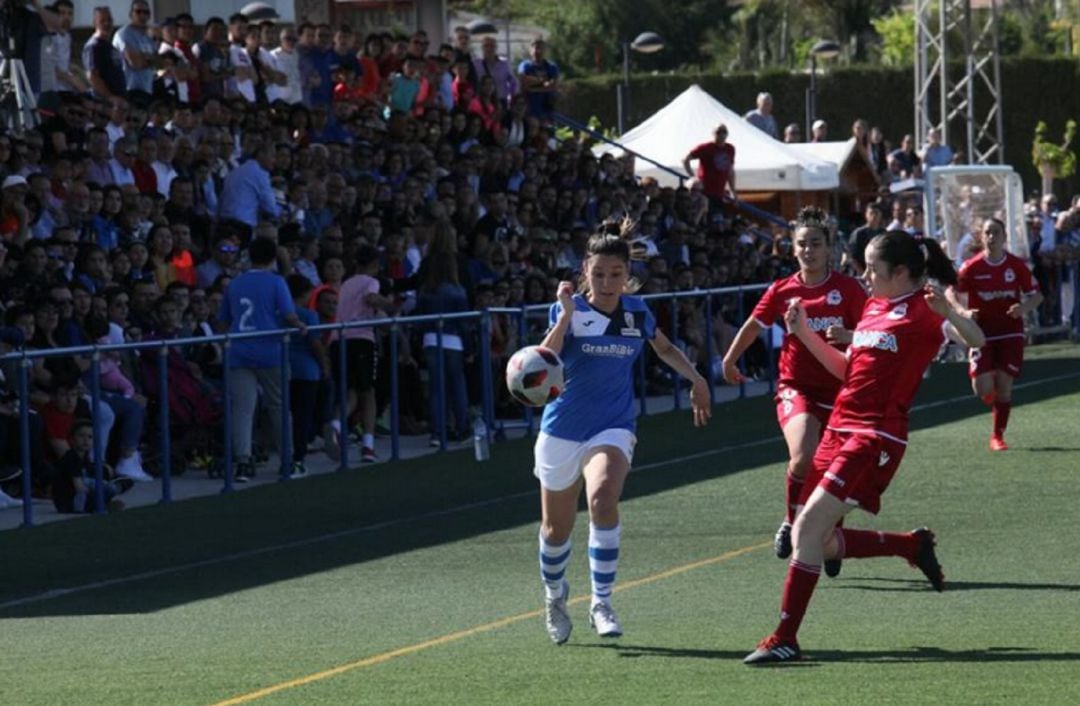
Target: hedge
column 1033, row 89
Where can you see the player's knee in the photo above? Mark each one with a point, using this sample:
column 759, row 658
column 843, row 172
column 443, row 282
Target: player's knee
column 603, row 502
column 799, row 465
column 552, row 533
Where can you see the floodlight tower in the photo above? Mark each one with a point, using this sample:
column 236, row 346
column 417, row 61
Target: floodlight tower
column 943, row 95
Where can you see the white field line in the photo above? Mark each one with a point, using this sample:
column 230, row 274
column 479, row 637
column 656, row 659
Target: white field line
column 239, row 556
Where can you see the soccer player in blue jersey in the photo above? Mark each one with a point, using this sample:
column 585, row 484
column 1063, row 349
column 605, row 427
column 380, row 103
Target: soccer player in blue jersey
column 587, row 434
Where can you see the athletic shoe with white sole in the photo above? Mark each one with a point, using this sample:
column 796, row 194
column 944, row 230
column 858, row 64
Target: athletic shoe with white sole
column 131, row 468
column 603, row 620
column 773, row 650
column 557, row 618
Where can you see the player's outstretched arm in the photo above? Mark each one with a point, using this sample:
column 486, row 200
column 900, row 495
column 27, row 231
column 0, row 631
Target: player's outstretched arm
column 700, row 399
column 833, row 360
column 743, row 340
column 963, row 326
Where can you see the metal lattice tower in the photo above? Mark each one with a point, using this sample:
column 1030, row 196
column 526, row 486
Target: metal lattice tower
column 945, row 32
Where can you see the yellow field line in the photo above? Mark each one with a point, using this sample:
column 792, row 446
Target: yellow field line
column 462, row 634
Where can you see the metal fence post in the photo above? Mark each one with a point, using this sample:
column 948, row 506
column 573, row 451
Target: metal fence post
column 440, row 398
column 675, row 379
column 227, row 449
column 24, row 440
column 709, row 349
column 395, row 404
column 163, row 422
column 523, row 330
column 99, row 448
column 343, row 396
column 741, row 363
column 285, row 443
column 487, row 384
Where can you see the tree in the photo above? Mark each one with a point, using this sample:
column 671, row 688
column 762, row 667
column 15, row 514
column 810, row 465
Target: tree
column 1053, row 161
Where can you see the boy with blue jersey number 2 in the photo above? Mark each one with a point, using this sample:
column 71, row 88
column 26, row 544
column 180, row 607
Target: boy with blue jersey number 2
column 587, row 434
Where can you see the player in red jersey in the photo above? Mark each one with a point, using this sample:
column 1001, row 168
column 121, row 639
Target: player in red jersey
column 998, row 288
column 805, row 390
column 899, row 334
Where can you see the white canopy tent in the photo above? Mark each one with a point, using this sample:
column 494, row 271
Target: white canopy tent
column 761, row 162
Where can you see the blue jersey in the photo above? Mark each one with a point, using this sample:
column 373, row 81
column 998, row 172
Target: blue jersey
column 256, row 301
column 598, row 358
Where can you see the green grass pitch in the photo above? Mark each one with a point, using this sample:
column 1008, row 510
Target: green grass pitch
column 417, row 583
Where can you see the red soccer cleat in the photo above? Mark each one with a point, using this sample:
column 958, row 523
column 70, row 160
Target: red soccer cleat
column 998, row 444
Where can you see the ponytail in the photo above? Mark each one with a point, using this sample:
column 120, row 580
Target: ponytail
column 921, row 256
column 938, row 264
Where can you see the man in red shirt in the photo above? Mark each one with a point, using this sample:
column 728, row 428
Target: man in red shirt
column 716, row 165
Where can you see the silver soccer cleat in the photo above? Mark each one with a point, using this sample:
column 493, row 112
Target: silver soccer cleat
column 556, row 617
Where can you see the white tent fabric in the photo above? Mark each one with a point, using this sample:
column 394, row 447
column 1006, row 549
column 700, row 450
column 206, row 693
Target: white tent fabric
column 834, row 152
column 761, row 162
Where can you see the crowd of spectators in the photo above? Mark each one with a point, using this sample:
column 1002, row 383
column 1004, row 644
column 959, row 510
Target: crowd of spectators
column 434, row 173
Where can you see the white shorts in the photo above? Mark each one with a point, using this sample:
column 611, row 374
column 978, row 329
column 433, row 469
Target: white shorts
column 559, row 461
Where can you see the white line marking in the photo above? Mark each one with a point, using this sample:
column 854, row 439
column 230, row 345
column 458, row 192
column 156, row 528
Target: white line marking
column 238, row 556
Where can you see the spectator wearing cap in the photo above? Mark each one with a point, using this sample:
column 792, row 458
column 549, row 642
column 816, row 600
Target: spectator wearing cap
column 103, row 62
column 539, row 79
column 819, row 131
column 138, row 51
column 761, row 117
column 489, row 63
column 247, row 191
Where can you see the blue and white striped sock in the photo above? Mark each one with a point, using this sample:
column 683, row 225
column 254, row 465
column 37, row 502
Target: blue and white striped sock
column 603, row 560
column 553, row 561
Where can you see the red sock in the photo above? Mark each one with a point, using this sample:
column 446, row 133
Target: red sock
column 1001, row 416
column 988, row 398
column 861, row 544
column 798, row 589
column 794, row 490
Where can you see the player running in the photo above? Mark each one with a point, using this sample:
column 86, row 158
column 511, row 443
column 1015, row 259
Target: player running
column 587, row 434
column 805, row 390
column 997, row 287
column 900, row 332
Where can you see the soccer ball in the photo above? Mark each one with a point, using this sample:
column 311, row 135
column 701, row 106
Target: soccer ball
column 534, row 375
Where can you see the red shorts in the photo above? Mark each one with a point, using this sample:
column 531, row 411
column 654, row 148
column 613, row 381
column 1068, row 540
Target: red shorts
column 856, row 468
column 1004, row 354
column 791, row 402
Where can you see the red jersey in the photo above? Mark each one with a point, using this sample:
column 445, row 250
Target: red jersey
column 837, row 300
column 715, row 163
column 894, row 342
column 993, row 287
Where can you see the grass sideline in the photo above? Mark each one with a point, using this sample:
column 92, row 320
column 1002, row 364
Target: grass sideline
column 257, row 619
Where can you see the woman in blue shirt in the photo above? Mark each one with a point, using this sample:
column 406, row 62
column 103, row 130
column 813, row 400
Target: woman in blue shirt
column 587, row 434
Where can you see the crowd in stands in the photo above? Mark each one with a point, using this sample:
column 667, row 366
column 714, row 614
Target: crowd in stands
column 434, row 172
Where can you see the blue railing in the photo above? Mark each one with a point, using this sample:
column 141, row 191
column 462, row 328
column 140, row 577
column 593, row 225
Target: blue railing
column 25, row 360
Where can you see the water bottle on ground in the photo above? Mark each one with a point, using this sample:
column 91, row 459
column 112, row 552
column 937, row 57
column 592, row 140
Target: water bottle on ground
column 480, row 440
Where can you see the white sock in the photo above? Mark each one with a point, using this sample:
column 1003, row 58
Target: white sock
column 603, row 560
column 368, row 441
column 553, row 561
